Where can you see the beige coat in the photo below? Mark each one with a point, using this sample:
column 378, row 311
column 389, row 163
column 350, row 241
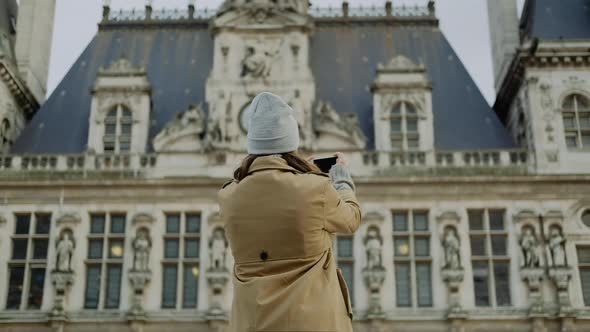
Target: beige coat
column 280, row 225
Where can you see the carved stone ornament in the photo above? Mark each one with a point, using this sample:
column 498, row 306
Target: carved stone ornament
column 556, row 246
column 62, row 276
column 529, row 246
column 342, row 127
column 142, row 246
column 2, row 220
column 68, row 218
column 561, row 277
column 452, row 249
column 61, row 282
column 143, row 218
column 533, row 276
column 373, row 217
column 262, row 13
column 184, row 132
column 259, row 60
column 138, row 281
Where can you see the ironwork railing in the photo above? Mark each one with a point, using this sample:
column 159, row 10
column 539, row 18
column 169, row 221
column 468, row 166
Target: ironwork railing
column 318, row 12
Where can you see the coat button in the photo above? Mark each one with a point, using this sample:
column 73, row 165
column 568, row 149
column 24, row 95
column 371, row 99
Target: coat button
column 264, row 255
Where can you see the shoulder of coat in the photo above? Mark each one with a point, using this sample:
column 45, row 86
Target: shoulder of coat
column 319, row 173
column 228, row 183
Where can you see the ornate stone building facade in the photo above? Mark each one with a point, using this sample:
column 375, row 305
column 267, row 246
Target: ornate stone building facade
column 474, row 219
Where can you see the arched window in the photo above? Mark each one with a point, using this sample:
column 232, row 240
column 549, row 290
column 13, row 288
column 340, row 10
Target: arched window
column 404, row 127
column 576, row 121
column 117, row 130
column 5, row 133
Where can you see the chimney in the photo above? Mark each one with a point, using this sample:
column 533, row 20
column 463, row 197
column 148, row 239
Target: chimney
column 34, row 32
column 504, row 36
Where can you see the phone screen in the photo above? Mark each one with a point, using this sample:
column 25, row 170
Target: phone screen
column 324, row 164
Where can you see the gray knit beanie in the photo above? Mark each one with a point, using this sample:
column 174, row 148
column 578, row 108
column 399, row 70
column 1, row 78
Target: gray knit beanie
column 272, row 126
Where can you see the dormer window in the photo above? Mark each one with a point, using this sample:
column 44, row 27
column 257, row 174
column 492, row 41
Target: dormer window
column 576, row 121
column 117, row 130
column 404, row 127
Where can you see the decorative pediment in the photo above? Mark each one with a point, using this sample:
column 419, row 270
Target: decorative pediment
column 69, row 218
column 122, row 66
column 184, row 132
column 401, row 64
column 337, row 130
column 417, row 99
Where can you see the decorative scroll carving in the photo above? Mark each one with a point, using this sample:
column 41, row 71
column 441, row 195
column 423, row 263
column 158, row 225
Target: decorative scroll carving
column 184, row 132
column 343, row 126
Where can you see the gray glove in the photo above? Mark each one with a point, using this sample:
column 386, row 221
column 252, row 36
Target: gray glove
column 341, row 178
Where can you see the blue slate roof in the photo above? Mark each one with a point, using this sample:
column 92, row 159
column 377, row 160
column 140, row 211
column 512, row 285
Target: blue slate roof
column 558, row 19
column 344, row 58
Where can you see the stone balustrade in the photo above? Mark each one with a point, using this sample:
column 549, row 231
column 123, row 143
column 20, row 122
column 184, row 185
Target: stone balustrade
column 219, row 164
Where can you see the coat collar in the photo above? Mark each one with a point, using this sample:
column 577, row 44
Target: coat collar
column 264, row 163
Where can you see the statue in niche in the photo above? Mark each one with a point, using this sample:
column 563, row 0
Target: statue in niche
column 142, row 246
column 258, row 63
column 373, row 244
column 217, row 250
column 64, row 252
column 528, row 244
column 557, row 247
column 452, row 248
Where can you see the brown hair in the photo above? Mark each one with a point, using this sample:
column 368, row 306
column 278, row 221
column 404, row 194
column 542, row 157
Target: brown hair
column 292, row 158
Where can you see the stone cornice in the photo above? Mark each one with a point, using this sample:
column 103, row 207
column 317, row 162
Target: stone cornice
column 19, row 90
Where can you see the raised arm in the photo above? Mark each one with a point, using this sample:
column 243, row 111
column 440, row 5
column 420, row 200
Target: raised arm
column 342, row 210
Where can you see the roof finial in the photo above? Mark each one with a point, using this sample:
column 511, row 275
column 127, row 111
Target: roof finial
column 431, row 8
column 191, row 9
column 148, row 9
column 345, row 7
column 106, row 9
column 388, row 8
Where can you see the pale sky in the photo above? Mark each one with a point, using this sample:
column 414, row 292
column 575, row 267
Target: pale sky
column 464, row 22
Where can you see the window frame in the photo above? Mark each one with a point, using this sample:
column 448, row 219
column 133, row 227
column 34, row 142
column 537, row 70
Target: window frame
column 29, row 262
column 181, row 262
column 412, row 259
column 123, row 116
column 348, row 261
column 577, row 131
column 583, row 266
column 106, row 260
column 489, row 257
column 404, row 135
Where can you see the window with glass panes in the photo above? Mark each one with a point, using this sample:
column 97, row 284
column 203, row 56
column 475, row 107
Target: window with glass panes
column 28, row 261
column 489, row 257
column 584, row 269
column 412, row 260
column 345, row 261
column 576, row 121
column 117, row 130
column 104, row 262
column 180, row 267
column 404, row 127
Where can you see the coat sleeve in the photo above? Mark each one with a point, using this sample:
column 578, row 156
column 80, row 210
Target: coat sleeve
column 341, row 209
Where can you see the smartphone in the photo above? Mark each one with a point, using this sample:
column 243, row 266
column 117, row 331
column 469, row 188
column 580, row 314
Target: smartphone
column 324, row 164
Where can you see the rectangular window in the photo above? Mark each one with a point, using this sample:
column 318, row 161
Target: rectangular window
column 181, row 267
column 27, row 267
column 412, row 259
column 345, row 261
column 489, row 257
column 104, row 266
column 584, row 267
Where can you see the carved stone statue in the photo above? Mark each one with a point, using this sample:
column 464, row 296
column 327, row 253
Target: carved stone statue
column 557, row 247
column 193, row 117
column 64, row 252
column 142, row 246
column 345, row 126
column 258, row 62
column 452, row 248
column 528, row 244
column 373, row 244
column 217, row 250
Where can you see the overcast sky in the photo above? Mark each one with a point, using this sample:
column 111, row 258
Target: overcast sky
column 464, row 22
